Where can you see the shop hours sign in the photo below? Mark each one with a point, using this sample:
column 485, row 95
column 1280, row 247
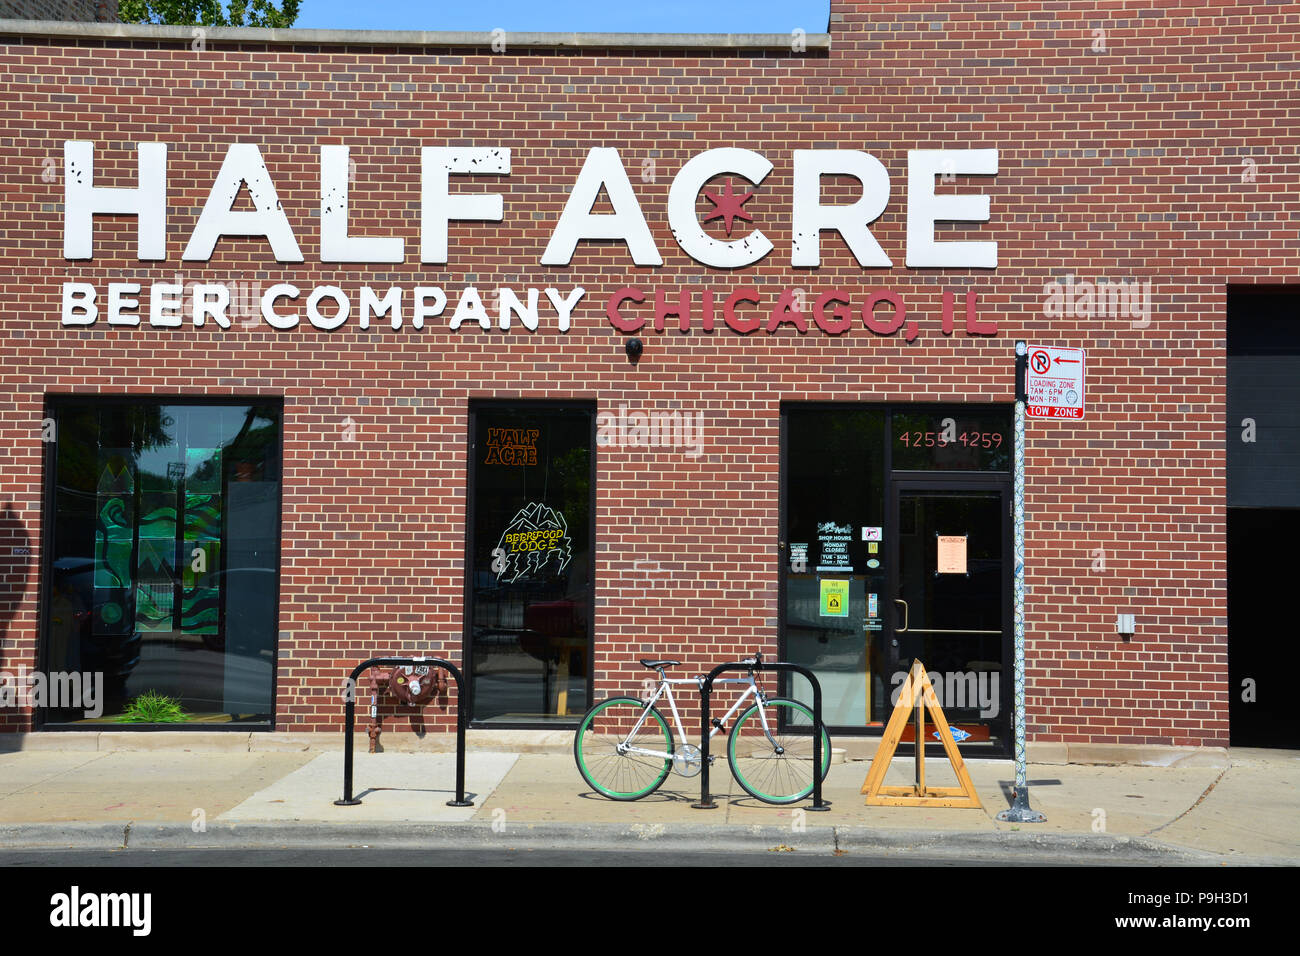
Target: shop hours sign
column 1054, row 382
column 834, row 541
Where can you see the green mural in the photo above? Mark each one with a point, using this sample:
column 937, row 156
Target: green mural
column 113, row 539
column 115, row 507
column 150, row 532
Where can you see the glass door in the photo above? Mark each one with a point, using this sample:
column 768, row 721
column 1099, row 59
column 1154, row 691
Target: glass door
column 951, row 598
column 529, row 589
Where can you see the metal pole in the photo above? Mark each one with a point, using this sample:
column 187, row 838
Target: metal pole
column 349, row 719
column 918, row 734
column 818, row 803
column 706, row 688
column 462, row 710
column 1020, row 811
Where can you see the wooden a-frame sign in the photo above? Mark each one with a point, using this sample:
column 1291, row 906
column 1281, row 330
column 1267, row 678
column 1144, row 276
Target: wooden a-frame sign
column 918, row 693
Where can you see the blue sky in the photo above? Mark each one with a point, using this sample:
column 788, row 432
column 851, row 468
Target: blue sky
column 648, row 16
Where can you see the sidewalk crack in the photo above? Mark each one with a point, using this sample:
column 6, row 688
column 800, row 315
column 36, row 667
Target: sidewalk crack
column 55, row 775
column 1199, row 799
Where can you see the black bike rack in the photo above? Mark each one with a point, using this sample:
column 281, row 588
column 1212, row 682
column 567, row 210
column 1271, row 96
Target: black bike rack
column 706, row 688
column 349, row 722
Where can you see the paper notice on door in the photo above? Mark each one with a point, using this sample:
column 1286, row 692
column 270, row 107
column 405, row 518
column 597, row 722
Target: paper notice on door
column 952, row 554
column 798, row 557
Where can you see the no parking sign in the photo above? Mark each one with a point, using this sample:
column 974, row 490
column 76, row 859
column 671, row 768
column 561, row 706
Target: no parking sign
column 1054, row 382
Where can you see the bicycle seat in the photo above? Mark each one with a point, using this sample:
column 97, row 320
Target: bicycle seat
column 655, row 665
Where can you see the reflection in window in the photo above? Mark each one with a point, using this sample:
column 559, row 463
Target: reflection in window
column 164, row 567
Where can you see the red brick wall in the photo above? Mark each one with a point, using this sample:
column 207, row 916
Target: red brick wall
column 1127, row 162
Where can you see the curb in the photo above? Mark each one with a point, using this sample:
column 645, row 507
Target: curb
column 592, row 837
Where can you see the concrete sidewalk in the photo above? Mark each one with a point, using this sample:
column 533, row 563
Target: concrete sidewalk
column 1245, row 812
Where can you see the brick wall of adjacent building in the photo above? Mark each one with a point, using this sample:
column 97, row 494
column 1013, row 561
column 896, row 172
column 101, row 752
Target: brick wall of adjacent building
column 1152, row 142
column 103, row 11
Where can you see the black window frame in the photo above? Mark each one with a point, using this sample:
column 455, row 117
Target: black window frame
column 49, row 462
column 467, row 595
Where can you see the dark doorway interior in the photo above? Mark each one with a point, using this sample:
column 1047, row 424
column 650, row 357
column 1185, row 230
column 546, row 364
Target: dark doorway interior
column 1262, row 650
column 1263, row 515
column 529, row 586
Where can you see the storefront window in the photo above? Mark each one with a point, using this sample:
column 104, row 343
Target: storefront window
column 164, row 562
column 834, row 565
column 530, row 563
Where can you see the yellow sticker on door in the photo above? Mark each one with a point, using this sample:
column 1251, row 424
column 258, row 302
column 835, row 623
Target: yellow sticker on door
column 835, row 598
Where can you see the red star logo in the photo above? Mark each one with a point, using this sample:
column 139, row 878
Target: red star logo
column 726, row 206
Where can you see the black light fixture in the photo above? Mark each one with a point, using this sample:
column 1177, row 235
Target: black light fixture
column 633, row 347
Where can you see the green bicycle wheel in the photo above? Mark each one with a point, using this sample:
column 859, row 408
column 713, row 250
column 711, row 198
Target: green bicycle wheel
column 600, row 748
column 775, row 775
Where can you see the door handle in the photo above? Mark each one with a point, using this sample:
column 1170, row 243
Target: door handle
column 930, row 630
column 903, row 629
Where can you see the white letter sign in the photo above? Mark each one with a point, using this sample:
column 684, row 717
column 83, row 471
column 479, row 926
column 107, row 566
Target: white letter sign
column 924, row 209
column 577, row 222
column 438, row 207
column 688, row 232
column 243, row 164
column 82, row 200
column 335, row 243
column 810, row 217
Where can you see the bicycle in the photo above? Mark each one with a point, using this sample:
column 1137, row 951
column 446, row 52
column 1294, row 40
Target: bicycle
column 624, row 747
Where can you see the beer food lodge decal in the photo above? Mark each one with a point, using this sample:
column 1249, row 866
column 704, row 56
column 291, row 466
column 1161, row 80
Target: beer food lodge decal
column 742, row 309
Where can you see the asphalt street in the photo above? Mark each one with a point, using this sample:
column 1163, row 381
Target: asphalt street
column 541, row 857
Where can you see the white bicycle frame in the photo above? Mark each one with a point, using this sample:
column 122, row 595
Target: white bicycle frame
column 719, row 724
